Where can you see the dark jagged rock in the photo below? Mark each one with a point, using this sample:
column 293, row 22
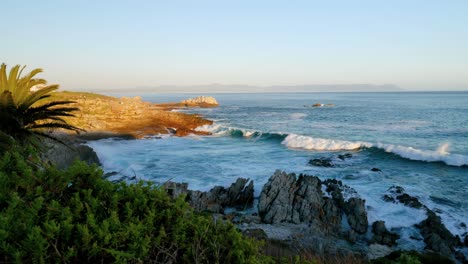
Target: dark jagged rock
column 436, row 236
column 332, row 215
column 283, row 199
column 397, row 193
column 215, row 200
column 355, row 210
column 63, row 156
column 376, row 170
column 345, row 156
column 409, row 200
column 382, row 235
column 322, row 162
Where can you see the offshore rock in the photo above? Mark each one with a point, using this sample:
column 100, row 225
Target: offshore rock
column 397, row 193
column 382, row 235
column 201, row 100
column 322, row 162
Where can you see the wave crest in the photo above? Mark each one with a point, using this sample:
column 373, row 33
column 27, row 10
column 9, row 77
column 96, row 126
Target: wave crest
column 311, row 143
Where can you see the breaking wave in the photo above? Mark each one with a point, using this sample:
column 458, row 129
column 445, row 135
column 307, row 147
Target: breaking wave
column 441, row 154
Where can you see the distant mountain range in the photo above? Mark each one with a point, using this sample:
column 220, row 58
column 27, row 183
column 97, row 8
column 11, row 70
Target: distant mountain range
column 239, row 88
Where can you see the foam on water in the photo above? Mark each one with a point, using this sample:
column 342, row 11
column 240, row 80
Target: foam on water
column 322, row 144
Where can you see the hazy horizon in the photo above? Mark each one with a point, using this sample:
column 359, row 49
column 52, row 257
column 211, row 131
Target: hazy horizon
column 117, row 45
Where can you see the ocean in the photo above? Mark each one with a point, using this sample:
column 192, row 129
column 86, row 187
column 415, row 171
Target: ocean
column 418, row 140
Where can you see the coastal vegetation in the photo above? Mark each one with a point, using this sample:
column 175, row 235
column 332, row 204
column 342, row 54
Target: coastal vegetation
column 74, row 215
column 23, row 112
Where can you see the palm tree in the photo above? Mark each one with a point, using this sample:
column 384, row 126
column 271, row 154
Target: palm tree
column 22, row 114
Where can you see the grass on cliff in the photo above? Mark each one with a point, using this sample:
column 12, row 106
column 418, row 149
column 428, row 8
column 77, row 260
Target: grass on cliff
column 74, row 215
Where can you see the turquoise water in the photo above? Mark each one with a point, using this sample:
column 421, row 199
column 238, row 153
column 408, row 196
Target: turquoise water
column 418, row 140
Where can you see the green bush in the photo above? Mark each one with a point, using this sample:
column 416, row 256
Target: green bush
column 49, row 215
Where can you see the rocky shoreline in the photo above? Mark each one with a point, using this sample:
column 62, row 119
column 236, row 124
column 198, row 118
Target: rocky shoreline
column 294, row 213
column 327, row 217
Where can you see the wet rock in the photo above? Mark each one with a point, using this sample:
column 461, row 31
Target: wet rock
column 345, row 156
column 397, row 193
column 382, row 235
column 256, row 233
column 376, row 170
column 436, row 235
column 356, row 213
column 322, row 162
column 465, row 242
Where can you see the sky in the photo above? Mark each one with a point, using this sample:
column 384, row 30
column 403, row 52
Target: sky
column 102, row 45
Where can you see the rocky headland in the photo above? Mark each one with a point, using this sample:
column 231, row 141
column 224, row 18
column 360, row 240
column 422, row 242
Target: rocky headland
column 106, row 116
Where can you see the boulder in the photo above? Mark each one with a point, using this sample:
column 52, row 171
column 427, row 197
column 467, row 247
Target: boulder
column 355, row 210
column 382, row 235
column 376, row 170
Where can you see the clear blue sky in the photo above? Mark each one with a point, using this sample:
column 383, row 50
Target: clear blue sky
column 124, row 44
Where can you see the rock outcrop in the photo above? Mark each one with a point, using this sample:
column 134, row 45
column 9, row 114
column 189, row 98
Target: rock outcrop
column 239, row 195
column 397, row 194
column 355, row 209
column 200, row 100
column 291, row 199
column 62, row 155
column 436, row 236
column 382, row 235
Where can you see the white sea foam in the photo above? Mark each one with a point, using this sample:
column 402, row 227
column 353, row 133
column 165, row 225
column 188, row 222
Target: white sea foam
column 441, row 154
column 297, row 115
column 311, row 143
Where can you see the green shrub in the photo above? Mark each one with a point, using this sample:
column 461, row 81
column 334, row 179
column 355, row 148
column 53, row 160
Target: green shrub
column 49, row 215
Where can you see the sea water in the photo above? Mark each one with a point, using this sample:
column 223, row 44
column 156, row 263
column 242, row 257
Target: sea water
column 418, row 140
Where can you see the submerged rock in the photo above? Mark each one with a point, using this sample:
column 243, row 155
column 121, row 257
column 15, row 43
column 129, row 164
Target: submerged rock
column 321, row 162
column 345, row 156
